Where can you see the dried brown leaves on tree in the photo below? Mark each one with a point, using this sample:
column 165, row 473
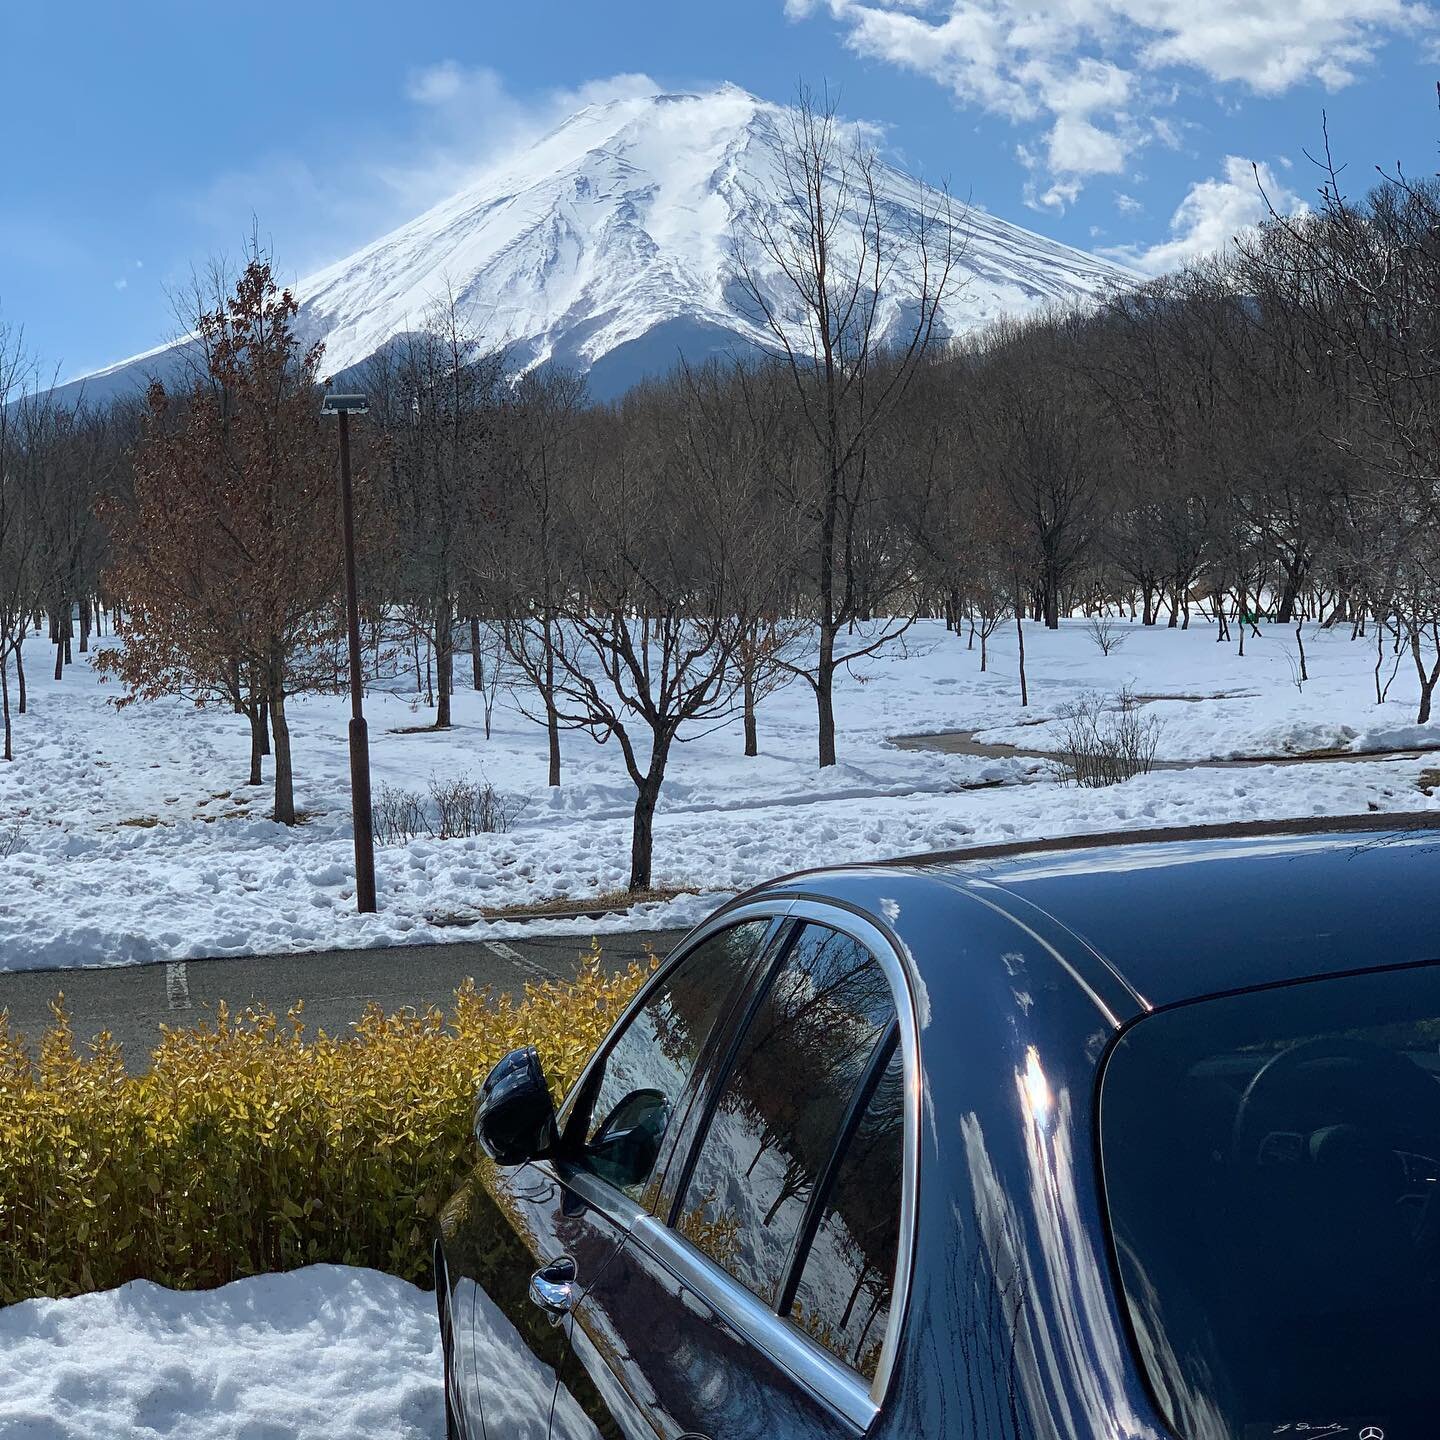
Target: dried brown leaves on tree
column 226, row 555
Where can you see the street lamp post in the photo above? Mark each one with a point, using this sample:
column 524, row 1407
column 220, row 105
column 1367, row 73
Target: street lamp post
column 345, row 406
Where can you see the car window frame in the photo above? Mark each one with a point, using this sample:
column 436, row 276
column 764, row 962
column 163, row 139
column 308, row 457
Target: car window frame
column 611, row 1200
column 828, row 1378
column 886, row 1048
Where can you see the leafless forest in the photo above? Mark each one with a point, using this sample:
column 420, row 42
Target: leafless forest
column 1257, row 435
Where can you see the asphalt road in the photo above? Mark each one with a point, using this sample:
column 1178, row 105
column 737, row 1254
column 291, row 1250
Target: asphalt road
column 133, row 1001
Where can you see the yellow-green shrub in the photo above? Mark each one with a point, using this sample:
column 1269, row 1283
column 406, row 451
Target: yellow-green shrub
column 249, row 1145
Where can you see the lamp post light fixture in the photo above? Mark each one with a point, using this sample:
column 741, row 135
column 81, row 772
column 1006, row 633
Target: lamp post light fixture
column 345, row 406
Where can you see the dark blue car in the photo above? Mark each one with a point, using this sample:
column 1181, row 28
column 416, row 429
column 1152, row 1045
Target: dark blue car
column 1111, row 1140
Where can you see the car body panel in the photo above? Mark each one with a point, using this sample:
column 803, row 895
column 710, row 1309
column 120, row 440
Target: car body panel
column 1020, row 972
column 668, row 1363
column 501, row 1227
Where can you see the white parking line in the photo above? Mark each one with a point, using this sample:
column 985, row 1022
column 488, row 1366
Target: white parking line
column 177, row 987
column 512, row 956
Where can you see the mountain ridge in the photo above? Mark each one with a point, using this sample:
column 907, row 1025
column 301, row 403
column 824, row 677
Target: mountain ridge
column 606, row 245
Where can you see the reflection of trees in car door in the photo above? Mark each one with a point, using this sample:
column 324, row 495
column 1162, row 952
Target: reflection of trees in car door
column 617, row 1126
column 810, row 1041
column 842, row 1295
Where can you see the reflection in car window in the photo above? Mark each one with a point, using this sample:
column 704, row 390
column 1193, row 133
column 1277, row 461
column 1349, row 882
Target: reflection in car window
column 781, row 1108
column 1272, row 1173
column 651, row 1061
column 843, row 1298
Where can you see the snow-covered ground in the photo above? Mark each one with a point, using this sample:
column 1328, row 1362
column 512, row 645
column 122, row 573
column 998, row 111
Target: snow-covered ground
column 321, row 1352
column 136, row 839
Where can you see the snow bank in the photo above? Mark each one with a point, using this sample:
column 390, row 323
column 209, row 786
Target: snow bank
column 323, row 1352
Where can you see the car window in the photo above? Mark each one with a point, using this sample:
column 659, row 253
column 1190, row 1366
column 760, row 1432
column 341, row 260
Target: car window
column 619, row 1132
column 848, row 1274
column 780, row 1110
column 1272, row 1176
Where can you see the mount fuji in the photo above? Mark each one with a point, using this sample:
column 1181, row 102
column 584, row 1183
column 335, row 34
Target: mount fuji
column 608, row 245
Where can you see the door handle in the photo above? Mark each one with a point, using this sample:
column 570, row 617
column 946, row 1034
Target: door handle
column 552, row 1287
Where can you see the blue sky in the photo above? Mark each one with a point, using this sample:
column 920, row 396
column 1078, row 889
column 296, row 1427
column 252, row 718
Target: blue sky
column 143, row 138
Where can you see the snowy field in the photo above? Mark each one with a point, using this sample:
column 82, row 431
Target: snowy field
column 318, row 1353
column 132, row 837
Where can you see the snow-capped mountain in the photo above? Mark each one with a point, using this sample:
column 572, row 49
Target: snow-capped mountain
column 608, row 246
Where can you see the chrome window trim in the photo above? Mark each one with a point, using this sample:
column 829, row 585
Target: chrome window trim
column 858, row 927
column 596, row 1193
column 812, row 1367
column 722, row 920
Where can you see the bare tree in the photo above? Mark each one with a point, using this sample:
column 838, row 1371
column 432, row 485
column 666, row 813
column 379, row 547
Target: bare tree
column 437, row 395
column 643, row 643
column 818, row 261
column 527, row 558
column 17, row 534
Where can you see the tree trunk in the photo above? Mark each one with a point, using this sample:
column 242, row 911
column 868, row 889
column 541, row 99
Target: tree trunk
column 24, row 697
column 1052, row 598
column 1427, row 677
column 825, row 695
column 552, row 716
column 259, row 739
column 5, row 702
column 752, row 738
column 85, row 623
column 444, row 662
column 284, row 778
column 477, row 669
column 642, row 834
column 1020, row 636
column 1289, row 591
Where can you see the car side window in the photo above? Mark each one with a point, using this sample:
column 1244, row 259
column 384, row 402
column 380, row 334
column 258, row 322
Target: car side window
column 618, row 1134
column 847, row 1277
column 781, row 1108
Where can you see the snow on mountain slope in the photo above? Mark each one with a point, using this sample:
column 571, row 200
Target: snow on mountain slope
column 607, row 246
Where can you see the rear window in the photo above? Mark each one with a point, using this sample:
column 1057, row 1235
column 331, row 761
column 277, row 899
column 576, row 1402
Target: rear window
column 1272, row 1174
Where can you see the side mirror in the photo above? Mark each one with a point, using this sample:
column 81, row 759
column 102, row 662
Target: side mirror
column 625, row 1147
column 514, row 1117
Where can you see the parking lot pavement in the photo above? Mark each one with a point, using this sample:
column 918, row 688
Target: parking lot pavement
column 134, row 1001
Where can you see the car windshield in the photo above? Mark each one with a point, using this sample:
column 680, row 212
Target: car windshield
column 1272, row 1175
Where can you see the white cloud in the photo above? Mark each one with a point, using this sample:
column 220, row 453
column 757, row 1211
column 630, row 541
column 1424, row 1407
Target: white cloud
column 311, row 211
column 122, row 284
column 1212, row 214
column 436, row 84
column 1128, row 204
column 1081, row 70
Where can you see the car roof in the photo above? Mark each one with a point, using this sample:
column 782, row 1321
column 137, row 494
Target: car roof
column 1182, row 913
